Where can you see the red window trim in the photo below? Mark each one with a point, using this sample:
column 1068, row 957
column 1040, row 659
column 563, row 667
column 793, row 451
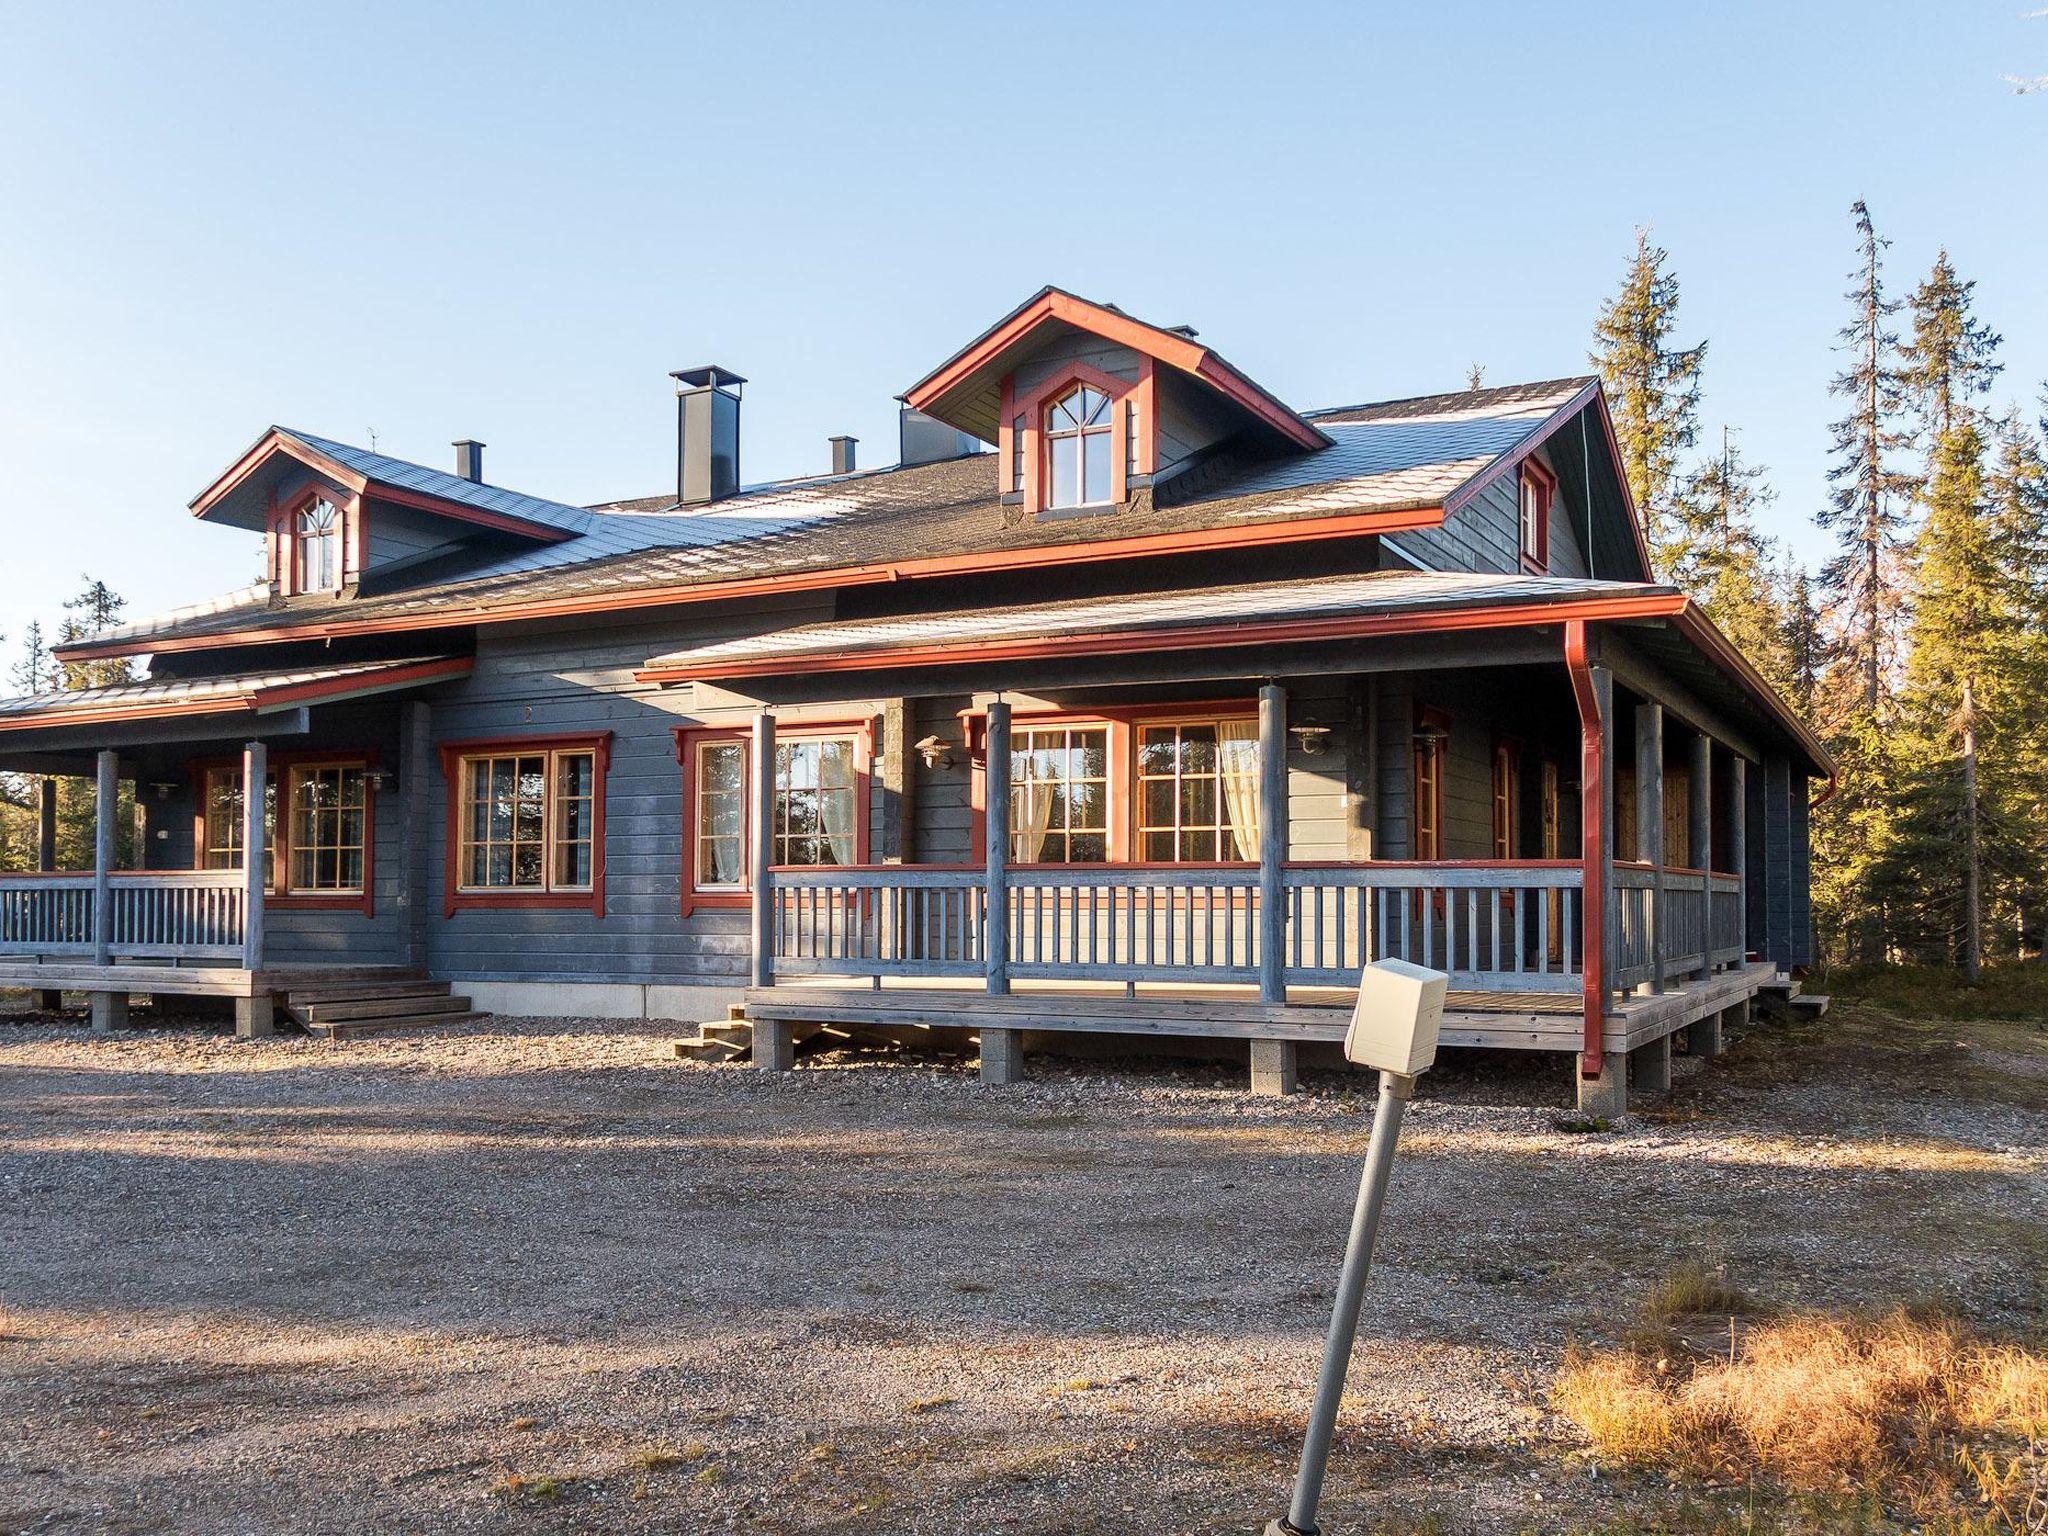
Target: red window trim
column 1536, row 561
column 1124, row 395
column 1121, row 839
column 453, row 898
column 1428, row 715
column 1508, row 751
column 282, row 518
column 862, row 728
column 277, row 893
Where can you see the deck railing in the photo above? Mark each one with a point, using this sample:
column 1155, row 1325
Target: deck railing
column 1674, row 923
column 156, row 914
column 1501, row 927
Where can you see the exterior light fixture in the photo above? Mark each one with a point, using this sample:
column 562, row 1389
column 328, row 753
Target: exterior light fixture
column 378, row 778
column 1431, row 734
column 935, row 752
column 163, row 788
column 1314, row 740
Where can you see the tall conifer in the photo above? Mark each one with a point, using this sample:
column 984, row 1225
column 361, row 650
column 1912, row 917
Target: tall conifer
column 1653, row 387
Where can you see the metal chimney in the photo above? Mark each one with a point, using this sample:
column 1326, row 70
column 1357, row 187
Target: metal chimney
column 842, row 455
column 707, row 434
column 469, row 459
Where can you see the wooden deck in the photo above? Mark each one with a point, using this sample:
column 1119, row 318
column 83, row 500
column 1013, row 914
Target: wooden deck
column 146, row 979
column 1530, row 1021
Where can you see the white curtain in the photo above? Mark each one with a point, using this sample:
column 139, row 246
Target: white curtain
column 1237, row 753
column 836, row 808
column 1032, row 825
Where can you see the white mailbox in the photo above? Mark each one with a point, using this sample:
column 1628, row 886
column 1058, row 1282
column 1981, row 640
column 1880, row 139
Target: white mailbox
column 1400, row 1009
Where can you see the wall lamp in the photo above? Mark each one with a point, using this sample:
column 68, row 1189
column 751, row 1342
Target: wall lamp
column 1314, row 740
column 935, row 752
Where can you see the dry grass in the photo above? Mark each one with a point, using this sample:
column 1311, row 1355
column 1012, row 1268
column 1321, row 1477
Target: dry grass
column 1694, row 1290
column 1916, row 1408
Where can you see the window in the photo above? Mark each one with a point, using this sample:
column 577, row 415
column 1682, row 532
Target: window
column 1432, row 742
column 819, row 819
column 526, row 822
column 1537, row 489
column 815, row 801
column 329, row 828
column 1059, row 795
column 1198, row 791
column 1077, row 449
column 316, row 544
column 1506, row 799
column 319, row 853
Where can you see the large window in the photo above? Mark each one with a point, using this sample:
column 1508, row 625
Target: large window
column 528, row 822
column 820, row 780
column 316, row 546
column 1059, row 795
column 1198, row 791
column 1077, row 449
column 319, row 851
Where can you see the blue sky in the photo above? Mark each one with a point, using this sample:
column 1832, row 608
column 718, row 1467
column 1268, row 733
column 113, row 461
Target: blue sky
column 511, row 221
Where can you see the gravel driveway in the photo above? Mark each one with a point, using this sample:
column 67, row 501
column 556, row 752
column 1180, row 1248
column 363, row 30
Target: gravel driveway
column 538, row 1276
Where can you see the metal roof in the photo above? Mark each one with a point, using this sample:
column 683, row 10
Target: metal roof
column 255, row 692
column 1212, row 609
column 382, row 469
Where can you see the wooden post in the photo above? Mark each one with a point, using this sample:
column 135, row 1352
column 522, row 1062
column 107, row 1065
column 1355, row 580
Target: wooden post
column 1738, row 843
column 46, row 823
column 1272, row 843
column 1593, row 693
column 761, row 826
column 898, row 782
column 415, row 818
column 995, row 943
column 255, row 854
column 1699, row 835
column 1650, row 826
column 106, row 787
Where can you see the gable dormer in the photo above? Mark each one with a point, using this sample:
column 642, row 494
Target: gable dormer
column 332, row 514
column 1090, row 409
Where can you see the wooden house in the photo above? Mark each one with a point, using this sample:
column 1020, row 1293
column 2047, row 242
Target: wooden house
column 1162, row 717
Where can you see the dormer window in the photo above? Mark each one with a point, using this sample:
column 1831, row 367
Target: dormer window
column 1078, row 443
column 316, row 547
column 1538, row 487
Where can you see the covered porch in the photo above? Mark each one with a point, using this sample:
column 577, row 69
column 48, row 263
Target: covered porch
column 185, row 890
column 1573, row 820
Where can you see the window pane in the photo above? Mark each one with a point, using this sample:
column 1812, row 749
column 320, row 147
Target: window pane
column 720, row 763
column 1065, row 489
column 1096, row 486
column 1156, row 847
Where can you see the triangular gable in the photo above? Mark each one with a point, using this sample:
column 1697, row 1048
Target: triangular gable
column 240, row 497
column 965, row 390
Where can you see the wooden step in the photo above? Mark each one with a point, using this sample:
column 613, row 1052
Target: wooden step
column 356, row 1029
column 706, row 1049
column 368, row 991
column 1813, row 1004
column 376, row 1008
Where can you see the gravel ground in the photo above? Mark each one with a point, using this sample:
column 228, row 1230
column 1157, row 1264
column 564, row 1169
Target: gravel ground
column 539, row 1275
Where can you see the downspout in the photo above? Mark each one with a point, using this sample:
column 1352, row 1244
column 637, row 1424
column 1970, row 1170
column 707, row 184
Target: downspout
column 1821, row 799
column 1592, row 840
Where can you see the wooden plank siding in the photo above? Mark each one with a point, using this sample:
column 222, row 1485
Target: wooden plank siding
column 1485, row 533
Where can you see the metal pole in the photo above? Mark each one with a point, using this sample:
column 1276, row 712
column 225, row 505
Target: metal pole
column 1395, row 1091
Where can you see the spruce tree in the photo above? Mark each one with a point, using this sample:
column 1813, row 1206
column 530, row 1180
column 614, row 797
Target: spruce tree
column 1725, row 564
column 1951, row 359
column 1804, row 646
column 1869, row 488
column 96, row 608
column 31, row 673
column 2016, row 487
column 1653, row 387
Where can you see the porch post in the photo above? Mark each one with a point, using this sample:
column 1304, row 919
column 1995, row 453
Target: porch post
column 1650, row 827
column 46, row 823
column 995, row 942
column 1699, row 836
column 1601, row 1078
column 255, row 1015
column 761, row 854
column 106, row 787
column 1738, row 843
column 1272, row 843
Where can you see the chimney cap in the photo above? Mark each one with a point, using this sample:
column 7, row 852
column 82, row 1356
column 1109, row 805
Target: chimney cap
column 707, row 376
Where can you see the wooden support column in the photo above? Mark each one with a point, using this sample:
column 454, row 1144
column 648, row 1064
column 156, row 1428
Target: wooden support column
column 1650, row 827
column 761, row 855
column 1699, row 833
column 995, row 941
column 897, row 780
column 1593, row 692
column 105, row 789
column 46, row 823
column 1738, row 841
column 256, row 1014
column 1272, row 843
column 415, row 819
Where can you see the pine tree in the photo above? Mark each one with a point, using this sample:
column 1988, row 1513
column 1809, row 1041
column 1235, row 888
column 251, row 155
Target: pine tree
column 2017, row 489
column 1866, row 510
column 1951, row 358
column 1653, row 387
column 1725, row 565
column 97, row 607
